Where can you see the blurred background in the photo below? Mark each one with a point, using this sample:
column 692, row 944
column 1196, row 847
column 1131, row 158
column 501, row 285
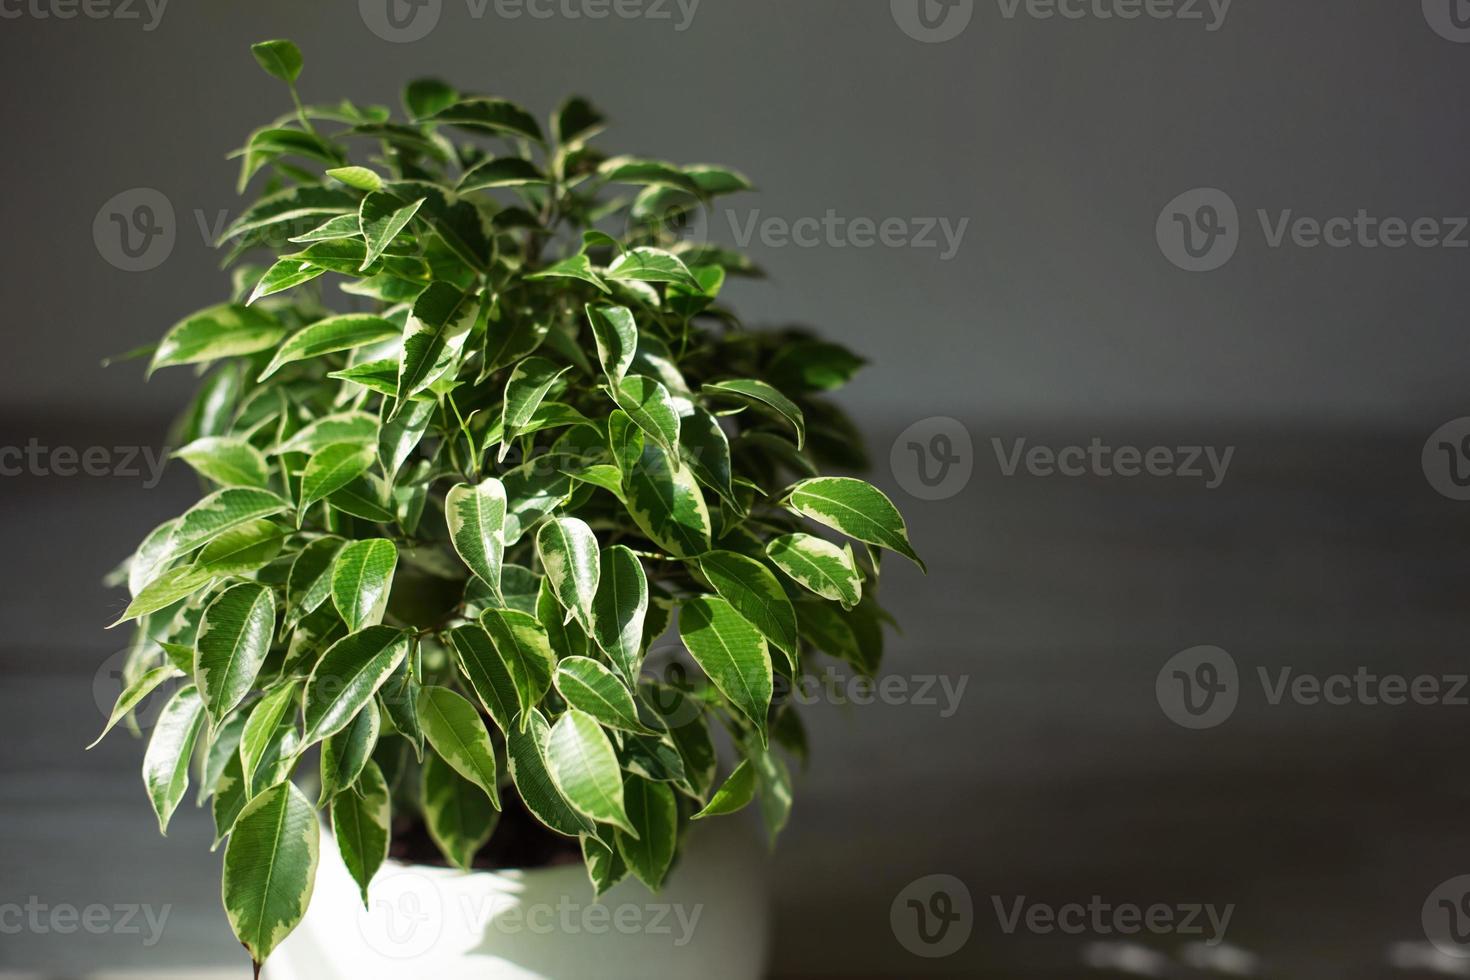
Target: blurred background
column 1164, row 308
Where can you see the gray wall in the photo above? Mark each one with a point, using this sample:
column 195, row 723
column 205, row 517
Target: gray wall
column 1058, row 140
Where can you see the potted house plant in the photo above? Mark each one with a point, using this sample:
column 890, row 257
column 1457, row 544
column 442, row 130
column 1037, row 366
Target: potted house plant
column 507, row 558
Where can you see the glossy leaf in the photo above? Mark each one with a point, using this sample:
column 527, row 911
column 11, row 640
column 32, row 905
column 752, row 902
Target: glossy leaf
column 476, row 517
column 329, row 336
column 270, row 868
column 732, row 654
column 818, row 565
column 234, row 638
column 568, row 552
column 588, row 686
column 754, row 592
column 619, row 609
column 362, row 577
column 733, row 795
column 361, row 824
column 654, row 813
column 585, row 770
column 227, row 330
column 228, row 461
column 166, row 763
column 525, row 650
column 453, row 727
column 761, row 394
column 347, row 677
column 458, row 813
column 857, row 509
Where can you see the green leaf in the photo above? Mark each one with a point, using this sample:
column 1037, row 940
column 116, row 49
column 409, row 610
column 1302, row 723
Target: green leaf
column 400, row 437
column 348, row 676
column 666, row 504
column 616, row 335
column 588, row 686
column 229, row 798
column 270, row 868
column 568, row 552
column 341, row 427
column 651, row 408
column 762, row 395
column 774, row 782
column 434, row 336
column 167, row 589
column 567, row 638
column 652, row 265
column 488, row 675
column 359, row 177
column 281, row 59
column 220, row 512
column 346, row 754
column 332, row 468
column 818, row 565
column 651, row 173
column 576, row 267
column 361, row 823
column 234, row 638
column 292, row 205
column 813, row 365
column 227, row 460
column 524, row 648
column 713, row 180
column 734, row 795
column 227, row 330
column 529, row 382
column 576, row 121
column 585, row 769
column 223, row 747
column 261, row 731
column 619, row 609
column 532, row 491
column 380, row 375
column 134, row 694
column 362, row 578
column 476, row 518
column 653, row 810
column 706, row 448
column 755, row 593
column 453, row 727
column 458, row 813
column 495, row 115
column 605, row 866
column 309, row 583
column 857, row 509
column 525, row 750
column 242, row 550
column 166, row 763
column 423, row 97
column 380, row 218
column 284, row 274
column 341, row 226
column 732, row 654
column 329, row 336
column 501, row 172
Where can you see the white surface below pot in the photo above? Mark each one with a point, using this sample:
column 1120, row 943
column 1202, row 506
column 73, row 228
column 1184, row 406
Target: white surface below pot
column 423, row 923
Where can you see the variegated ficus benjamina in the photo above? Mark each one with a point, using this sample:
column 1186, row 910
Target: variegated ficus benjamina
column 448, row 533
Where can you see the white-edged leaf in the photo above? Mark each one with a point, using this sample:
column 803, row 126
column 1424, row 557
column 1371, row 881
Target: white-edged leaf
column 454, row 728
column 166, row 763
column 476, row 518
column 732, row 654
column 270, row 868
column 568, row 552
column 619, row 609
column 856, row 508
column 819, row 565
column 362, row 578
column 361, row 823
column 227, row 460
column 330, row 336
column 348, row 675
column 235, row 636
column 585, row 769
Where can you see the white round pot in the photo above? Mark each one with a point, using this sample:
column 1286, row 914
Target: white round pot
column 425, row 923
